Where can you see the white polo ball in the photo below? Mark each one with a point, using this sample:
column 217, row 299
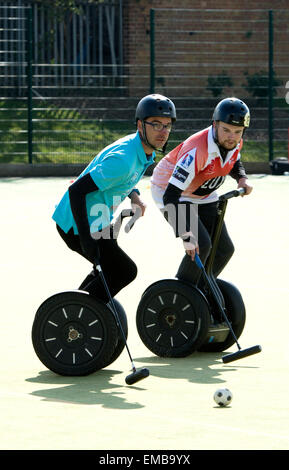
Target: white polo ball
column 223, row 397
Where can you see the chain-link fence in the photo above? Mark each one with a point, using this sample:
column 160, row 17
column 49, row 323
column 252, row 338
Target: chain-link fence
column 66, row 91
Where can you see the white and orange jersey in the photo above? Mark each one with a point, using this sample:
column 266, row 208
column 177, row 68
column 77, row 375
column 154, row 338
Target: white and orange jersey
column 196, row 166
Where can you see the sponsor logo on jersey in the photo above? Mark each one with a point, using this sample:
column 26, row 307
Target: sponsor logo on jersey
column 187, row 159
column 180, row 174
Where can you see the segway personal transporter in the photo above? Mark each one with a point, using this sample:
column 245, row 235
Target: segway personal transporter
column 175, row 318
column 75, row 334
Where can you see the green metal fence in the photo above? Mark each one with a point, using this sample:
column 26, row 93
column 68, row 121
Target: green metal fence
column 63, row 82
column 65, row 91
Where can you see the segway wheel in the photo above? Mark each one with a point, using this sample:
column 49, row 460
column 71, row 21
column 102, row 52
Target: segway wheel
column 236, row 313
column 74, row 334
column 172, row 318
column 120, row 341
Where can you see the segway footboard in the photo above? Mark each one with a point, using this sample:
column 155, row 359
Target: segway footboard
column 74, row 334
column 172, row 318
column 219, row 337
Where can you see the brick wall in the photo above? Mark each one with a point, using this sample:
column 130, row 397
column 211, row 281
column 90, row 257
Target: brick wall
column 192, row 47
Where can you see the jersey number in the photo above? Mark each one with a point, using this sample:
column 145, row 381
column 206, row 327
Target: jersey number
column 214, row 183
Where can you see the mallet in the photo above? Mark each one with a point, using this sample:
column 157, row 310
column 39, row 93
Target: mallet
column 242, row 352
column 136, row 375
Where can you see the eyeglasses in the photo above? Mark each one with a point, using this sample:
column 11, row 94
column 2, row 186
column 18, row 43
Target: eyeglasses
column 158, row 126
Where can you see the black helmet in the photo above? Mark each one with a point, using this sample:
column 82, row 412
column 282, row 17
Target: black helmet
column 232, row 111
column 155, row 105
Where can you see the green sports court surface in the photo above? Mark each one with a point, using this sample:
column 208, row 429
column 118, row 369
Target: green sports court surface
column 173, row 408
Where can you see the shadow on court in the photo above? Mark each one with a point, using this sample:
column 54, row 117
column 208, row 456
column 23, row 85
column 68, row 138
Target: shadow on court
column 94, row 389
column 199, row 368
column 97, row 389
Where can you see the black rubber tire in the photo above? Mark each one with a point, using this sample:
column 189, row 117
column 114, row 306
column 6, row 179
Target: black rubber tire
column 74, row 334
column 120, row 341
column 172, row 318
column 236, row 313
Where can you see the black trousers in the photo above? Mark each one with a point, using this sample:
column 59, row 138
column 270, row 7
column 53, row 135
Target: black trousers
column 207, row 215
column 118, row 268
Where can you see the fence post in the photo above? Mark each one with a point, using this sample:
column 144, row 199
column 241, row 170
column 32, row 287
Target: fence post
column 270, row 87
column 152, row 45
column 29, row 73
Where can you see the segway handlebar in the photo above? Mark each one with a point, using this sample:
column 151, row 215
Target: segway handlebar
column 234, row 193
column 125, row 213
column 134, row 216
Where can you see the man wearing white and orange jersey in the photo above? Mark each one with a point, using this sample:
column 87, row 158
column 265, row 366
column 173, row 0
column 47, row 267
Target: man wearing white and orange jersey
column 185, row 181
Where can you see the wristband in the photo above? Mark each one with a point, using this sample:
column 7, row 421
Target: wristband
column 188, row 237
column 135, row 190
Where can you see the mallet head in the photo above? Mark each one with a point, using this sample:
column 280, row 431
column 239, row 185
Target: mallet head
column 137, row 375
column 241, row 353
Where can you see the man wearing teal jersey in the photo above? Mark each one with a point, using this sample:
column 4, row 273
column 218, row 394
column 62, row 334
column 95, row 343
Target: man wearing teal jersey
column 84, row 214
